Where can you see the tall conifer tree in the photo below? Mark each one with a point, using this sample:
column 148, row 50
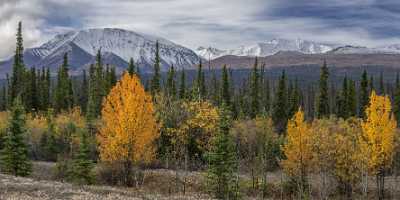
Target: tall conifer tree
column 222, row 162
column 255, row 90
column 18, row 78
column 351, row 99
column 364, row 94
column 156, row 80
column 171, row 86
column 396, row 100
column 131, row 67
column 14, row 155
column 199, row 89
column 32, row 100
column 381, row 84
column 83, row 92
column 182, row 86
column 225, row 88
column 280, row 111
column 323, row 99
column 64, row 98
column 343, row 110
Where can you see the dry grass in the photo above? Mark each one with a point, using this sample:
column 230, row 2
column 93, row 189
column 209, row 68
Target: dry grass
column 29, row 189
column 158, row 184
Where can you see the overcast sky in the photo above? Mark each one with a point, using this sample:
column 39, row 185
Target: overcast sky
column 218, row 23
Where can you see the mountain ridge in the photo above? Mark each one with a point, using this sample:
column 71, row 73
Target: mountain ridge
column 118, row 44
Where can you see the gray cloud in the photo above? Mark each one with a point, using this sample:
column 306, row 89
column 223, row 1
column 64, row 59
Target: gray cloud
column 219, row 23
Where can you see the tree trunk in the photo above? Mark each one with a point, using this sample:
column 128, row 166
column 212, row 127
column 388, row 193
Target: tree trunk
column 128, row 173
column 380, row 181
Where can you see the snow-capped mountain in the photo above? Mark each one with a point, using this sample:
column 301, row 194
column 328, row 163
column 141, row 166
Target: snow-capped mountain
column 268, row 48
column 117, row 45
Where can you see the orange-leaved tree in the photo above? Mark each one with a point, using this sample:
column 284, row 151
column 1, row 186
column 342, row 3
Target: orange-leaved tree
column 129, row 127
column 298, row 151
column 377, row 138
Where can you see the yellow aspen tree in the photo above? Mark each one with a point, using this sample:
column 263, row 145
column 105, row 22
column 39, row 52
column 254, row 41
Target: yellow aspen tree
column 347, row 155
column 129, row 127
column 377, row 139
column 323, row 149
column 298, row 151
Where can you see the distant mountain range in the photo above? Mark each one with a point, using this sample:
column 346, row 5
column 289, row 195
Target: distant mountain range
column 268, row 48
column 118, row 46
column 301, row 46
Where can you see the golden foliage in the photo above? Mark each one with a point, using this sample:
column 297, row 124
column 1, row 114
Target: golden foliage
column 73, row 116
column 3, row 122
column 378, row 131
column 323, row 147
column 298, row 147
column 348, row 158
column 201, row 123
column 37, row 125
column 129, row 126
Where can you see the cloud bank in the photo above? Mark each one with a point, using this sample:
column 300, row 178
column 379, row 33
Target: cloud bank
column 219, row 23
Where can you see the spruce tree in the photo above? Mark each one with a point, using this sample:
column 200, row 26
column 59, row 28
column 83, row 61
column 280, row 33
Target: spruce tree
column 156, row 80
column 267, row 97
column 8, row 87
column 3, row 98
column 97, row 88
column 171, row 86
column 280, row 112
column 48, row 142
column 14, row 155
column 131, row 67
column 351, row 99
column 222, row 161
column 63, row 91
column 47, row 88
column 18, row 78
column 323, row 99
column 216, row 90
column 254, row 91
column 381, row 84
column 91, row 103
column 83, row 92
column 396, row 100
column 294, row 100
column 182, row 86
column 225, row 88
column 371, row 84
column 32, row 99
column 199, row 89
column 342, row 103
column 364, row 94
column 113, row 77
column 81, row 171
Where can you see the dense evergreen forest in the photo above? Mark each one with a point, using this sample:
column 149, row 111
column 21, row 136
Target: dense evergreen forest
column 323, row 125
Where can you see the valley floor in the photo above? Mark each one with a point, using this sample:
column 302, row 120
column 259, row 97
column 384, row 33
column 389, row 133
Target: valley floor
column 158, row 184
